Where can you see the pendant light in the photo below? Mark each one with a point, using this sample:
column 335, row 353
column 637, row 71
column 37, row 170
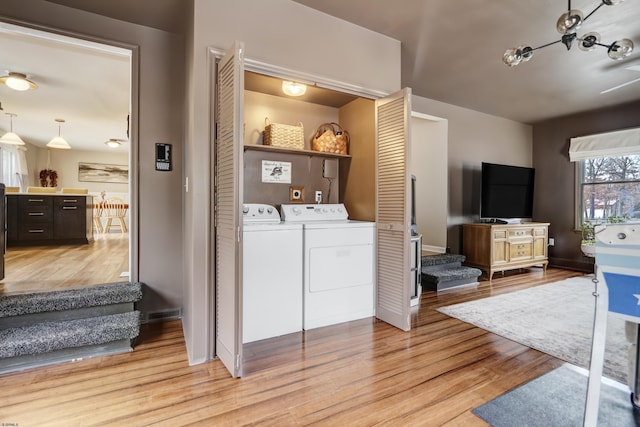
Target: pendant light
column 567, row 25
column 10, row 137
column 18, row 81
column 58, row 141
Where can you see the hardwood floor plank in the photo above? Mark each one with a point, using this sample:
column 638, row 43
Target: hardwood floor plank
column 38, row 268
column 357, row 373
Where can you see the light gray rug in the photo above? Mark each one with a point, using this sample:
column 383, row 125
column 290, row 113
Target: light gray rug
column 557, row 399
column 556, row 319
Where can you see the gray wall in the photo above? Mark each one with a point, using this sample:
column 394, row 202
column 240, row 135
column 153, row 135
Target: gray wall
column 276, row 33
column 555, row 175
column 161, row 103
column 474, row 137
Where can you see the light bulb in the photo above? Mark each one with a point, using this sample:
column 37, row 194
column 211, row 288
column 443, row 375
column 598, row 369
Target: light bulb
column 589, row 41
column 620, row 49
column 510, row 58
column 569, row 22
column 293, row 88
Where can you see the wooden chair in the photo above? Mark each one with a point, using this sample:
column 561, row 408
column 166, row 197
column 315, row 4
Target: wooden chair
column 74, row 191
column 41, row 189
column 97, row 215
column 115, row 208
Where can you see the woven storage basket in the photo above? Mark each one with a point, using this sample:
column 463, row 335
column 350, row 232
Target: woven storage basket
column 279, row 135
column 331, row 138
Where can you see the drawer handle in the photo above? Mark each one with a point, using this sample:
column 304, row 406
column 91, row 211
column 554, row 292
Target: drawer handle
column 36, row 231
column 36, row 200
column 36, row 213
column 69, row 207
column 70, row 201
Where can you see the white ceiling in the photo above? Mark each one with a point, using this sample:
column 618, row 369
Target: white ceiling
column 451, row 52
column 86, row 84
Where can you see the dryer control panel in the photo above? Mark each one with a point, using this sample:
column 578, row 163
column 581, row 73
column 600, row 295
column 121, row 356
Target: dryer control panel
column 315, row 212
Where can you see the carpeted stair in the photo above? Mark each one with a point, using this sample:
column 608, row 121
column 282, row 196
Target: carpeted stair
column 445, row 271
column 43, row 328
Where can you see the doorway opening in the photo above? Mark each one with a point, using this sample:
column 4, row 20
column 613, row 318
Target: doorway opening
column 89, row 84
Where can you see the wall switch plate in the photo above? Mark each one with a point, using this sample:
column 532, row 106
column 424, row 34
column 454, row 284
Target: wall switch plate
column 318, row 196
column 296, row 194
column 552, row 241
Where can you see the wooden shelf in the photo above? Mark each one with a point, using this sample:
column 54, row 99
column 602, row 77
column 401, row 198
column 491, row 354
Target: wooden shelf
column 272, row 149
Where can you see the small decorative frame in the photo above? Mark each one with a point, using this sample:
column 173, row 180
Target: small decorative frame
column 100, row 172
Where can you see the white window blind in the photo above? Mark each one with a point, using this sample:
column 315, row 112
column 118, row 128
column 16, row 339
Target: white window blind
column 611, row 144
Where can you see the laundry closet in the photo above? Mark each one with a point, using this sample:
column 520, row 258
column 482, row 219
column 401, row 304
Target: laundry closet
column 334, row 197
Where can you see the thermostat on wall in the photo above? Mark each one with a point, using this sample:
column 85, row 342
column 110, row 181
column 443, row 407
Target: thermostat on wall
column 163, row 157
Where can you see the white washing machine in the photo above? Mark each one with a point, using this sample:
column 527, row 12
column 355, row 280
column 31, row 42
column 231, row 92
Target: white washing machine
column 271, row 273
column 339, row 264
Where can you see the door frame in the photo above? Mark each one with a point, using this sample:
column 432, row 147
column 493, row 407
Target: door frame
column 134, row 102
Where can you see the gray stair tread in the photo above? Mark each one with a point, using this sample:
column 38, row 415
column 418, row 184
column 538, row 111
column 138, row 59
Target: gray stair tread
column 447, row 266
column 49, row 336
column 438, row 259
column 69, row 299
column 452, row 274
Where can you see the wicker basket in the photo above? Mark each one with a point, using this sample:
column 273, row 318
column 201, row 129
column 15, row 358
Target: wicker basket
column 331, row 138
column 279, row 135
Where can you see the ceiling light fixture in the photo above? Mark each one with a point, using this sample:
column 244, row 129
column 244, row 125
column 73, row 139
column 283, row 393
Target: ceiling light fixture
column 293, row 88
column 58, row 141
column 18, row 81
column 10, row 137
column 567, row 25
column 114, row 142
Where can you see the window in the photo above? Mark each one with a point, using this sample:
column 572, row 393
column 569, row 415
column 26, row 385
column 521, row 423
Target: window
column 608, row 189
column 10, row 167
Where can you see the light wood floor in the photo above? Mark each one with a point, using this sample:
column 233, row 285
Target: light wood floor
column 37, row 268
column 354, row 374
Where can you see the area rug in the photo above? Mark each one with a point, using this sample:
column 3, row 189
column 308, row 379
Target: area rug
column 556, row 319
column 558, row 399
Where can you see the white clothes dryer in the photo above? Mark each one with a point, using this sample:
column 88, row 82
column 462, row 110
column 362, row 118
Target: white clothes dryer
column 339, row 264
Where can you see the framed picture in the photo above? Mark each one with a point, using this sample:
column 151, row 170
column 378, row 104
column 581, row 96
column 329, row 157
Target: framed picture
column 100, row 172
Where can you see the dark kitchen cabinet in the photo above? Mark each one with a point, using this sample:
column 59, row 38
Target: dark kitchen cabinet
column 47, row 219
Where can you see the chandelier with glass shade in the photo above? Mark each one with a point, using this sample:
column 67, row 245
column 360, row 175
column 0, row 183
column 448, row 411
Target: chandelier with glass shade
column 567, row 25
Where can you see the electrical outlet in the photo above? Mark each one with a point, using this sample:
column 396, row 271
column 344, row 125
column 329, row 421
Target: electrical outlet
column 296, row 194
column 552, row 241
column 318, row 196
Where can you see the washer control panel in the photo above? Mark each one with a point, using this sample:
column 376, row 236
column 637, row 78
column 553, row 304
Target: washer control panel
column 259, row 212
column 315, row 212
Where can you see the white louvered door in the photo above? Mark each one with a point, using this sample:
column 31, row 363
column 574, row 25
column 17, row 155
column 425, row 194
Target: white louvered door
column 228, row 207
column 393, row 210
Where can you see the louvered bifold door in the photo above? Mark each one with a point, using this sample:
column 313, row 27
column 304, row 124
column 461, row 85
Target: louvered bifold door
column 393, row 210
column 228, row 205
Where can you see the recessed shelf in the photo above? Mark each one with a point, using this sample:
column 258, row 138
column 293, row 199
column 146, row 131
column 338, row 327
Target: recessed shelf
column 270, row 148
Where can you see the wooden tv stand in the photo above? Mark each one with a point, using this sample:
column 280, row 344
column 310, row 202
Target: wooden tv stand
column 499, row 247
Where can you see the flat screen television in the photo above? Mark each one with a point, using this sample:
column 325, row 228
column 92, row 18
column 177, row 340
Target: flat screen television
column 507, row 192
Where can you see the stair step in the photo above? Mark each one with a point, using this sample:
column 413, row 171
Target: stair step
column 69, row 299
column 439, row 267
column 49, row 336
column 439, row 280
column 439, row 259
